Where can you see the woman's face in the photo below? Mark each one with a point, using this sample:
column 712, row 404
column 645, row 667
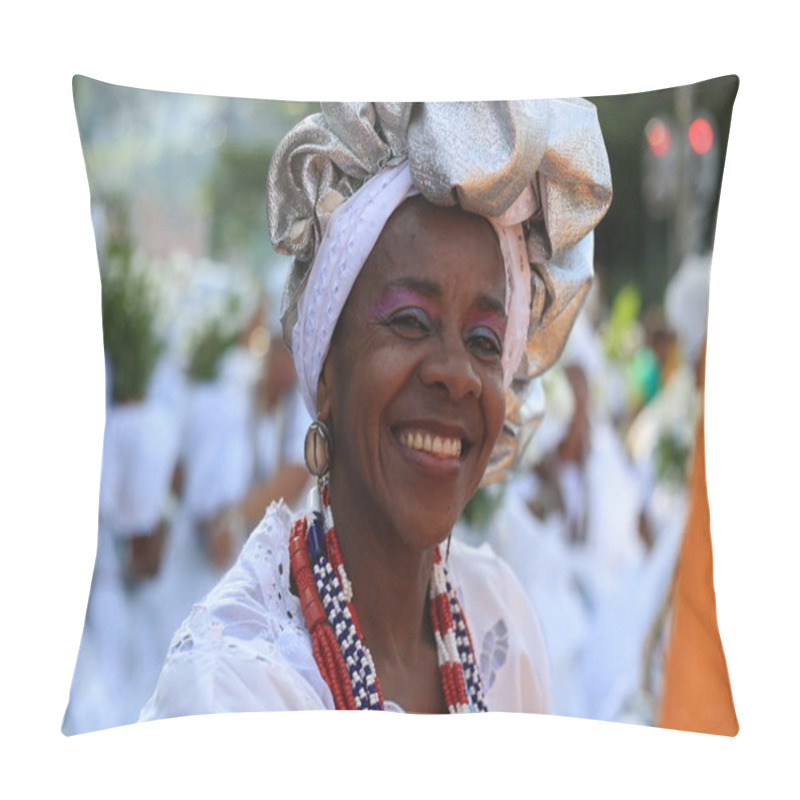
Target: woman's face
column 413, row 384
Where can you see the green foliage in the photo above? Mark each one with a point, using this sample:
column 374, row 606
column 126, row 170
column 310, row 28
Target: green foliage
column 211, row 344
column 482, row 506
column 644, row 375
column 672, row 459
column 621, row 322
column 237, row 190
column 129, row 312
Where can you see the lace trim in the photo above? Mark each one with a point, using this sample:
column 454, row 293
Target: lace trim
column 254, row 602
column 266, row 556
column 254, row 598
column 494, row 652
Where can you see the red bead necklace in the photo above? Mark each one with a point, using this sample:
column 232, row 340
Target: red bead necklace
column 343, row 659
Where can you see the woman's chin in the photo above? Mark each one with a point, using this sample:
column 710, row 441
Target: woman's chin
column 424, row 515
column 424, row 534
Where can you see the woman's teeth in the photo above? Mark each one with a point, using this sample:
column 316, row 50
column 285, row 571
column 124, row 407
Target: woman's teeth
column 440, row 446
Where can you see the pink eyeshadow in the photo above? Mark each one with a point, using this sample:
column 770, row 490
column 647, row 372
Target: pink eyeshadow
column 399, row 298
column 489, row 320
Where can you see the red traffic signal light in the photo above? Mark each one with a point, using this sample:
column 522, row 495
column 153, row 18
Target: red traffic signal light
column 701, row 135
column 658, row 136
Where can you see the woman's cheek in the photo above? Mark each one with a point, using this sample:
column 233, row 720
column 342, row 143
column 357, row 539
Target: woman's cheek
column 497, row 403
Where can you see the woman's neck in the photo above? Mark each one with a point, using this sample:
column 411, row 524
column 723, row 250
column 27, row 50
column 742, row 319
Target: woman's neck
column 390, row 581
column 390, row 595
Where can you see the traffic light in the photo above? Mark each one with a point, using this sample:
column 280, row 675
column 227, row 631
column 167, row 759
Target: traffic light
column 671, row 150
column 703, row 158
column 660, row 168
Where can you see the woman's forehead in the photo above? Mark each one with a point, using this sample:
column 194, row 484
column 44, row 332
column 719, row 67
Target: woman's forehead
column 416, row 219
column 433, row 250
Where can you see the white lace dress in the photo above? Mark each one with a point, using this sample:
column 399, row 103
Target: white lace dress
column 245, row 646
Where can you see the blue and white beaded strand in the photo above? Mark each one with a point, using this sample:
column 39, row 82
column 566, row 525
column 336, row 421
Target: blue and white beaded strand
column 335, row 591
column 457, row 665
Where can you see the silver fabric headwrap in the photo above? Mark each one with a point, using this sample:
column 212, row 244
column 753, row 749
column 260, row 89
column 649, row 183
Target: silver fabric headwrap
column 490, row 158
column 349, row 238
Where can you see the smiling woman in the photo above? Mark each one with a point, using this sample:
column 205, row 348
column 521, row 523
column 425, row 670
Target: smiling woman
column 415, row 362
column 441, row 254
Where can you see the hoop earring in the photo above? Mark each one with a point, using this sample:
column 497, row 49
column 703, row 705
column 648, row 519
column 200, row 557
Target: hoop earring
column 318, row 449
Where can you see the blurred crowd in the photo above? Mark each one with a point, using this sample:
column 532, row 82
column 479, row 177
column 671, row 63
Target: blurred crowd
column 205, row 428
column 593, row 520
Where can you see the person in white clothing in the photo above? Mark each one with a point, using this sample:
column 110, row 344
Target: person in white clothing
column 441, row 252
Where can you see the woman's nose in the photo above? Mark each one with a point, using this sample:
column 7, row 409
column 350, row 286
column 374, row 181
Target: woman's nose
column 449, row 365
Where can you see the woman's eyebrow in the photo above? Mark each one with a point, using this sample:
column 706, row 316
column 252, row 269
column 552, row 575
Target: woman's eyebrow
column 420, row 285
column 485, row 302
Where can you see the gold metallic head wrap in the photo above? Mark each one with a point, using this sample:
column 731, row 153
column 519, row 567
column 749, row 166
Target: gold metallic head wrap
column 481, row 156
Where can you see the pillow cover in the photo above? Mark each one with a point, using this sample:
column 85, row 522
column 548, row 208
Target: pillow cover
column 605, row 522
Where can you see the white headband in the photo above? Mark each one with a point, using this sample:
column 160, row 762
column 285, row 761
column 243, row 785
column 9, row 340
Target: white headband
column 351, row 234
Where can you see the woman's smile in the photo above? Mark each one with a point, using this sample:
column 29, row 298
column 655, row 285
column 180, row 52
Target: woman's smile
column 444, row 448
column 436, row 450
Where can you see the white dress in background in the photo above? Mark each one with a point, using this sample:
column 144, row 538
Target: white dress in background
column 280, row 435
column 246, row 647
column 544, row 563
column 118, row 647
column 218, row 461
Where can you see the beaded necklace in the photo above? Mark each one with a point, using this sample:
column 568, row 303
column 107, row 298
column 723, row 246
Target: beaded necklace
column 342, row 657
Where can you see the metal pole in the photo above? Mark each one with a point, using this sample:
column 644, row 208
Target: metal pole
column 684, row 238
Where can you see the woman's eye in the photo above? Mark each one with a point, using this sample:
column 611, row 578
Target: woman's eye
column 486, row 343
column 410, row 322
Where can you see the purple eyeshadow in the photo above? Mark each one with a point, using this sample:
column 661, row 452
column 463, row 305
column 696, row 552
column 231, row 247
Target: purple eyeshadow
column 398, row 298
column 495, row 322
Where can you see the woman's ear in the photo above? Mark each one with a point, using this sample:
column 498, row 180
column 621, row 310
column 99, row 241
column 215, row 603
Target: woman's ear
column 325, row 392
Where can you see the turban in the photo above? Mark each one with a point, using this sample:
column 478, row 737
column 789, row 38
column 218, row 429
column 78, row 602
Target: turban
column 535, row 168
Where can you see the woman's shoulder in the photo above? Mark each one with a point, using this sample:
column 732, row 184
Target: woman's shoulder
column 505, row 629
column 253, row 600
column 481, row 568
column 244, row 646
column 208, row 671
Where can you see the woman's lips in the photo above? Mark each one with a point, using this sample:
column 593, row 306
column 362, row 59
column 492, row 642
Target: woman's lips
column 443, row 447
